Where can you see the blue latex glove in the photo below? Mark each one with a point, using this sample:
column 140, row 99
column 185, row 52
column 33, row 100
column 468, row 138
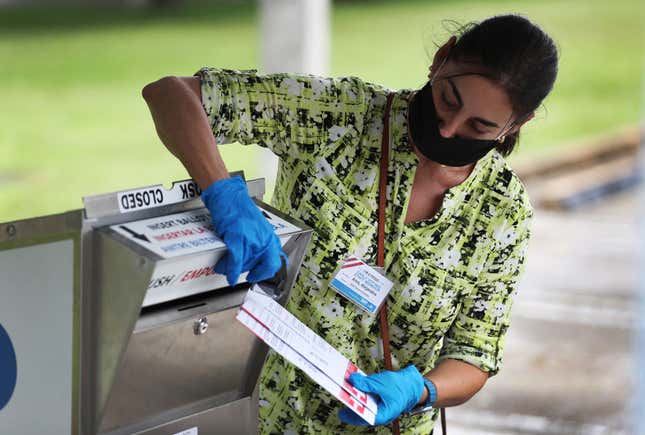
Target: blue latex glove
column 252, row 244
column 397, row 392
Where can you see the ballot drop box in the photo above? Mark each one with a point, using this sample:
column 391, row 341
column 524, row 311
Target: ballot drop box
column 113, row 321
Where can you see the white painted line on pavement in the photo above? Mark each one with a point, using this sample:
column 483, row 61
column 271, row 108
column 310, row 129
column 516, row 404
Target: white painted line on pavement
column 496, row 423
column 577, row 314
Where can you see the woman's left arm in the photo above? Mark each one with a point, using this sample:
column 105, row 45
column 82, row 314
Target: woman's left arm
column 473, row 346
column 477, row 335
column 456, row 382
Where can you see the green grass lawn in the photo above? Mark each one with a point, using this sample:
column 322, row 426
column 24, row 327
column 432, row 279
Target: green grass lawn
column 73, row 123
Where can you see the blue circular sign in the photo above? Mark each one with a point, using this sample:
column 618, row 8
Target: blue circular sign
column 8, row 368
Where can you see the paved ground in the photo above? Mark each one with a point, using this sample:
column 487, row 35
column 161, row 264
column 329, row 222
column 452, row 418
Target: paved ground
column 569, row 366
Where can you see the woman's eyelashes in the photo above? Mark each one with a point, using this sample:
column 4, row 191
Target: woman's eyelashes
column 477, row 130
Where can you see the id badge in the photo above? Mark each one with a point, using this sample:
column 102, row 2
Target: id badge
column 362, row 284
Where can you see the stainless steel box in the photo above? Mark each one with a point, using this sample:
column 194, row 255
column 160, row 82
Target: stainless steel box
column 151, row 344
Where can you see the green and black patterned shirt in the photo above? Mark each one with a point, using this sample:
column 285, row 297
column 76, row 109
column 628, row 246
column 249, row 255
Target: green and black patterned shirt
column 455, row 274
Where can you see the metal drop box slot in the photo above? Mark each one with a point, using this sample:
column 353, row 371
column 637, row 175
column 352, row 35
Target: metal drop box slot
column 154, row 347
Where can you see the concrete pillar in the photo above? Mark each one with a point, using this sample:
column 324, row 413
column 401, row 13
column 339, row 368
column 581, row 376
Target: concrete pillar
column 295, row 37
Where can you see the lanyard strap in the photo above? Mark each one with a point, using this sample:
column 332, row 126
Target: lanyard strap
column 385, row 159
column 380, row 254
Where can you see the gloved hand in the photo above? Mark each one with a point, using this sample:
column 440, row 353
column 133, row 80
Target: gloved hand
column 397, row 392
column 252, row 244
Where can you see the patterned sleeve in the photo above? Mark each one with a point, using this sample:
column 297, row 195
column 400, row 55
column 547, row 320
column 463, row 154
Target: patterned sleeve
column 478, row 333
column 292, row 115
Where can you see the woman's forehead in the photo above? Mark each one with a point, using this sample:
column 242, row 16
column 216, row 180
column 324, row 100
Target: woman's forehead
column 479, row 94
column 477, row 91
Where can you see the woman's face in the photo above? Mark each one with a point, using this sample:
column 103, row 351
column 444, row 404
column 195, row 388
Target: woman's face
column 470, row 105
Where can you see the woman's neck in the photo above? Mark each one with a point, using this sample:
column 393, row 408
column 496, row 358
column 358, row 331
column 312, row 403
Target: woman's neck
column 431, row 180
column 440, row 177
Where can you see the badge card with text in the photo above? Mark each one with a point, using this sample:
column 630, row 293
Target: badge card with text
column 361, row 284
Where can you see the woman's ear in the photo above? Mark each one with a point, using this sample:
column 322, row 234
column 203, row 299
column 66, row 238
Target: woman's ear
column 442, row 54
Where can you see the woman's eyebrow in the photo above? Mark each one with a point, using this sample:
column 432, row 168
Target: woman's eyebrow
column 456, row 92
column 486, row 122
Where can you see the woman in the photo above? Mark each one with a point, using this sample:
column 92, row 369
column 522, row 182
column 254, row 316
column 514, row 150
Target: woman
column 457, row 217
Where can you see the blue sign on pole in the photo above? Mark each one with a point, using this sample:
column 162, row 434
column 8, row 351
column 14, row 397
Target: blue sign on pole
column 8, row 368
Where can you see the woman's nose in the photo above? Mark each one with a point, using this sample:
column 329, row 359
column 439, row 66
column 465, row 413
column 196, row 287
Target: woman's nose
column 448, row 126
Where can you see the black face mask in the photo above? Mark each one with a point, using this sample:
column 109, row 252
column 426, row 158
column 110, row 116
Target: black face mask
column 424, row 129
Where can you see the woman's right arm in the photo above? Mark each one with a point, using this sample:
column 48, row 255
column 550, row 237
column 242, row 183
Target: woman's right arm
column 182, row 125
column 184, row 128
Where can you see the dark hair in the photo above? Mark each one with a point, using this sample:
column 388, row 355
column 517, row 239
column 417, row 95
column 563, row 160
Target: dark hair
column 515, row 53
